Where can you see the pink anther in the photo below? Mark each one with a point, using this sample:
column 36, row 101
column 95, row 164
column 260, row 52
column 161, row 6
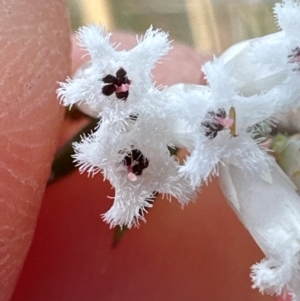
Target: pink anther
column 132, row 177
column 122, row 88
column 226, row 122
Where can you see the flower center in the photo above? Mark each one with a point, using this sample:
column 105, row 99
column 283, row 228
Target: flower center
column 294, row 57
column 135, row 162
column 219, row 121
column 118, row 84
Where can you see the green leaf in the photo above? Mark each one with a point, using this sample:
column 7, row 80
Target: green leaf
column 63, row 163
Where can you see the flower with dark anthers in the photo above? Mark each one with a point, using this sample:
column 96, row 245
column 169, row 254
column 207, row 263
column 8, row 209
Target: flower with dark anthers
column 294, row 57
column 218, row 122
column 111, row 73
column 135, row 162
column 250, row 84
column 118, row 84
column 137, row 125
column 213, row 126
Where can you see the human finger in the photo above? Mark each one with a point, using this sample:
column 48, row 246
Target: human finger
column 34, row 48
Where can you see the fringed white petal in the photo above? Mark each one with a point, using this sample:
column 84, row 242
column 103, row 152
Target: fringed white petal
column 95, row 39
column 270, row 210
column 187, row 106
column 273, row 277
column 88, row 85
column 222, row 84
column 81, row 90
column 106, row 149
column 240, row 151
column 129, row 207
column 287, row 16
column 151, row 47
column 133, row 198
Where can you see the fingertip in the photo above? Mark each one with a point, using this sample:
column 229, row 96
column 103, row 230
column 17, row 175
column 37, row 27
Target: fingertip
column 34, row 56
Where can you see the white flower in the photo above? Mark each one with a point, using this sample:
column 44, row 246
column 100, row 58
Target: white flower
column 221, row 125
column 211, row 135
column 261, row 64
column 247, row 88
column 136, row 161
column 113, row 79
column 130, row 146
column 271, row 213
column 249, row 83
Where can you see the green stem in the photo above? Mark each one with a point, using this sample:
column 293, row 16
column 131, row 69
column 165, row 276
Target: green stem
column 120, row 231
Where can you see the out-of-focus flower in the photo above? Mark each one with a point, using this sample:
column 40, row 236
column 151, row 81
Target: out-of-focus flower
column 253, row 84
column 287, row 152
column 209, row 131
column 247, row 89
column 271, row 213
column 269, row 62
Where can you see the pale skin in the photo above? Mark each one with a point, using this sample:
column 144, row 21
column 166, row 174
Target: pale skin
column 199, row 253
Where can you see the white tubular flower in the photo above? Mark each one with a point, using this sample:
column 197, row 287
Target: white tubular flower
column 249, row 86
column 271, row 213
column 246, row 86
column 261, row 64
column 135, row 158
column 220, row 126
column 113, row 79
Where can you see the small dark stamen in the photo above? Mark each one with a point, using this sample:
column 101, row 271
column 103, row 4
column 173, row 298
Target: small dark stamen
column 136, row 161
column 133, row 117
column 294, row 57
column 110, row 79
column 212, row 127
column 122, row 74
column 113, row 82
column 108, row 90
